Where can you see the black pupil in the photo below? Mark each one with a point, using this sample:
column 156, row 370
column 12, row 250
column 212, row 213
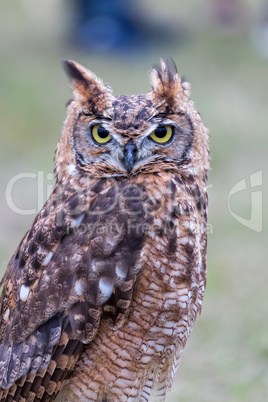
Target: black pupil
column 161, row 132
column 102, row 133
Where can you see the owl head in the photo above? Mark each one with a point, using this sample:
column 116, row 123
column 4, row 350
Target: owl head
column 113, row 136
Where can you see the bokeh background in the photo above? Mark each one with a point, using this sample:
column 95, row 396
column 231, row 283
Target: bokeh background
column 221, row 47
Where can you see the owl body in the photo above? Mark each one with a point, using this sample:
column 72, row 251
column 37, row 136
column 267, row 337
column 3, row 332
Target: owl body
column 101, row 295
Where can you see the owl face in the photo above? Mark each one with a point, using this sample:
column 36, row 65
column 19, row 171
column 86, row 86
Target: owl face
column 127, row 135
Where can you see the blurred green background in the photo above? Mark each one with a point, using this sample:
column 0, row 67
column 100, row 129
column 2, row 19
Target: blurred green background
column 227, row 65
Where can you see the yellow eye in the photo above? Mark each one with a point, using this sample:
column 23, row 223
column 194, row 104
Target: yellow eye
column 100, row 135
column 162, row 134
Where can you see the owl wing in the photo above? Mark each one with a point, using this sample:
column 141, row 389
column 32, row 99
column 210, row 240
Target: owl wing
column 76, row 264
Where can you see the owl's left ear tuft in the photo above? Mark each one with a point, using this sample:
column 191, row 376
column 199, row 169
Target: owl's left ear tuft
column 165, row 80
column 84, row 82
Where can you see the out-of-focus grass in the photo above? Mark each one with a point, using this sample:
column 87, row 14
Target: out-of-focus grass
column 227, row 355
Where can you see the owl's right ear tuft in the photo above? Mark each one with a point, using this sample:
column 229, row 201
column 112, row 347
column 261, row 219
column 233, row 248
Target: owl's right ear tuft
column 84, row 82
column 74, row 73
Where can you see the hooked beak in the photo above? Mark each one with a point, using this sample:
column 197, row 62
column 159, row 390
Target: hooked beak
column 129, row 157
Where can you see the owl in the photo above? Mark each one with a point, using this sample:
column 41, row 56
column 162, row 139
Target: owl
column 101, row 295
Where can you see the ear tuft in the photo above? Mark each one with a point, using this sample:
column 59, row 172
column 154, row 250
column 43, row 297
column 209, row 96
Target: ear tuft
column 169, row 68
column 73, row 72
column 165, row 79
column 85, row 83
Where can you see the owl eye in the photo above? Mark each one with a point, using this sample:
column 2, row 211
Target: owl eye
column 100, row 135
column 162, row 134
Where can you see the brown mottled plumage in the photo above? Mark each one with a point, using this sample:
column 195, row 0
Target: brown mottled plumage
column 101, row 295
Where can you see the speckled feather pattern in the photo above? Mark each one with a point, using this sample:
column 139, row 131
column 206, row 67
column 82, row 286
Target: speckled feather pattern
column 101, row 295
